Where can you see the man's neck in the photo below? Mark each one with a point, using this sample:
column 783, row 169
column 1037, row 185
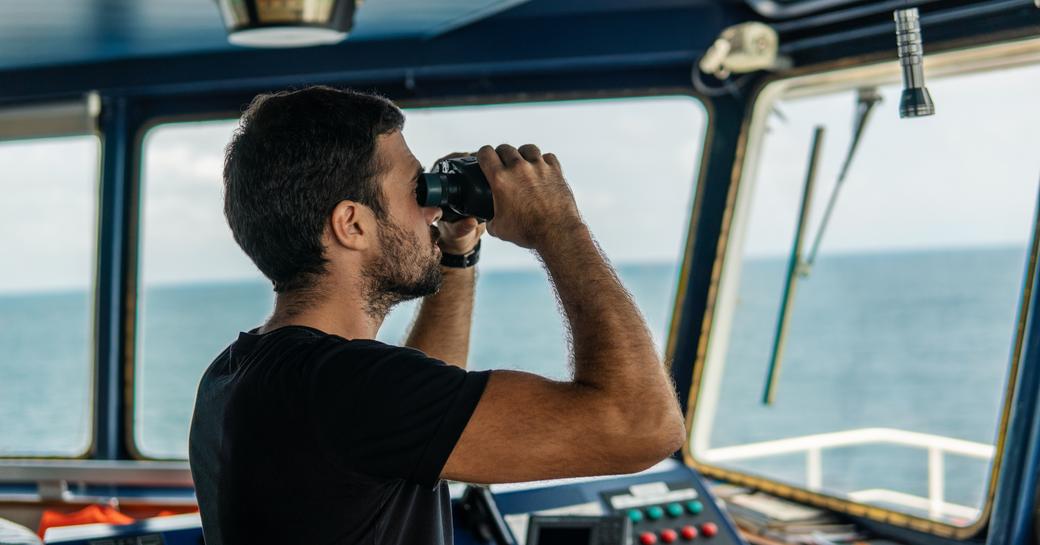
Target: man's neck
column 343, row 315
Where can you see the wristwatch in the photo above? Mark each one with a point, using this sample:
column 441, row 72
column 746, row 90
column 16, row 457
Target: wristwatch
column 463, row 261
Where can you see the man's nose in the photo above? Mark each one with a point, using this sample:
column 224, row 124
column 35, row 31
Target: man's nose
column 437, row 213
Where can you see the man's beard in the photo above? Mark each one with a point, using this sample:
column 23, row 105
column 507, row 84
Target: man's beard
column 406, row 269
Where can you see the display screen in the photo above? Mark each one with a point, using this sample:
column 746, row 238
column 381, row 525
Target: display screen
column 564, row 536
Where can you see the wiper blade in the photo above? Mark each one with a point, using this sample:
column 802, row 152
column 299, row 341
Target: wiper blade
column 866, row 100
column 793, row 264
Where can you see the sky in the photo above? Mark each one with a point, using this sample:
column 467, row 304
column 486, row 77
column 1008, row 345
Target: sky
column 48, row 195
column 965, row 177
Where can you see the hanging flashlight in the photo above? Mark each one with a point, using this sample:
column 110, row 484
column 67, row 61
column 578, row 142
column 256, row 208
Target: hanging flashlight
column 916, row 101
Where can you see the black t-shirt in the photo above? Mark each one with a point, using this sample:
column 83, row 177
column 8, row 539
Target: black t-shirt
column 300, row 437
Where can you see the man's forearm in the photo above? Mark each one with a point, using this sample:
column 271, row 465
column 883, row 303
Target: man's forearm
column 614, row 355
column 443, row 324
column 613, row 349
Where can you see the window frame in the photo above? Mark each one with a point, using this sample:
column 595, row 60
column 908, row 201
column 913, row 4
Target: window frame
column 135, row 240
column 69, row 119
column 811, row 83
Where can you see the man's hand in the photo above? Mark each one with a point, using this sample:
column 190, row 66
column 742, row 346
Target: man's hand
column 533, row 203
column 459, row 237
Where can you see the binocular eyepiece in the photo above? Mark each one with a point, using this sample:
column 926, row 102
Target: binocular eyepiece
column 459, row 188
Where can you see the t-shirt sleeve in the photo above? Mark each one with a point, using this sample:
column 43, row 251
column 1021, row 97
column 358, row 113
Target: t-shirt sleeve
column 396, row 412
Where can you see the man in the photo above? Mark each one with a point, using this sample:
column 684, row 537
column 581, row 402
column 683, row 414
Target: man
column 308, row 431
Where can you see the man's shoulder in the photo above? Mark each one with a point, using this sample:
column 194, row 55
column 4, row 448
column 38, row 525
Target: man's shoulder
column 286, row 356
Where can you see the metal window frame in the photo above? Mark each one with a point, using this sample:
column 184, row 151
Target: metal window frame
column 50, row 119
column 823, row 80
column 67, row 118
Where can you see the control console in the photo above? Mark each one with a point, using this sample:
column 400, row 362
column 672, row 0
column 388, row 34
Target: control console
column 666, row 512
column 666, row 504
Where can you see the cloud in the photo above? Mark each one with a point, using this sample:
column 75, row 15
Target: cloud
column 48, row 213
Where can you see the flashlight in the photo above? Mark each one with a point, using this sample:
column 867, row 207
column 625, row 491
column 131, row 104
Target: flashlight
column 916, row 101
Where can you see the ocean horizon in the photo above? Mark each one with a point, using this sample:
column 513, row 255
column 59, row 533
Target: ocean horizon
column 915, row 340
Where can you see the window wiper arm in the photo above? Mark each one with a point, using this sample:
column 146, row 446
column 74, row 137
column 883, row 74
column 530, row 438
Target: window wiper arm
column 866, row 100
column 793, row 264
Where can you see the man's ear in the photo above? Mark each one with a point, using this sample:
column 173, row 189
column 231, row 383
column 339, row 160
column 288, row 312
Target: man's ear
column 352, row 225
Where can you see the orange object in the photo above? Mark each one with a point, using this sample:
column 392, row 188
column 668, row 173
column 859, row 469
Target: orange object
column 88, row 515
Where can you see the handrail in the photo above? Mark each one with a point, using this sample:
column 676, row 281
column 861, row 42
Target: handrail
column 71, row 481
column 109, row 472
column 96, row 481
column 814, row 445
column 881, row 495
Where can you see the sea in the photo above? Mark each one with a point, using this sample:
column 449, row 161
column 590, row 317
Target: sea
column 912, row 340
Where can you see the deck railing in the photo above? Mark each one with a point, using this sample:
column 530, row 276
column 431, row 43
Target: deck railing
column 813, row 447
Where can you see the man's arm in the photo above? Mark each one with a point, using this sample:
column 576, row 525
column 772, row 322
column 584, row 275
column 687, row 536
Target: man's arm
column 442, row 327
column 619, row 414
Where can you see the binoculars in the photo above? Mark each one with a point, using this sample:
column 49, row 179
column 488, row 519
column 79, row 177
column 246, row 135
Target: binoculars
column 459, row 188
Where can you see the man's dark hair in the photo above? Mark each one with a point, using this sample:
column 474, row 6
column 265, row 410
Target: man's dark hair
column 294, row 157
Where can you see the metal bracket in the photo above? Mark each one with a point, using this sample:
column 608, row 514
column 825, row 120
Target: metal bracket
column 53, row 490
column 743, row 48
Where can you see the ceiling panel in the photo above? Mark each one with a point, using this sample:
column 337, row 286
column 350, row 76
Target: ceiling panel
column 35, row 33
column 405, row 18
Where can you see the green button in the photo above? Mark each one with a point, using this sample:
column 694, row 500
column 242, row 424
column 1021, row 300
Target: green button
column 654, row 512
column 674, row 509
column 694, row 507
column 635, row 515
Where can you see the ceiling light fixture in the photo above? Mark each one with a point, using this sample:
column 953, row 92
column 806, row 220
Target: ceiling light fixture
column 287, row 23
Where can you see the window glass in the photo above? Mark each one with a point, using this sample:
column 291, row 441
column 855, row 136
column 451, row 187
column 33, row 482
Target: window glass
column 899, row 336
column 196, row 289
column 632, row 165
column 47, row 237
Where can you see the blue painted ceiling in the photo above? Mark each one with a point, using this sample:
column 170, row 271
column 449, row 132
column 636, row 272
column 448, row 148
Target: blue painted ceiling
column 59, row 32
column 34, row 33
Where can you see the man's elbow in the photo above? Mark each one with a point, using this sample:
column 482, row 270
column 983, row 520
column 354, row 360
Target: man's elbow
column 667, row 438
column 649, row 439
column 650, row 453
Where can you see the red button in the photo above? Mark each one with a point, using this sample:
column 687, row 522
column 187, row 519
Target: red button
column 688, row 533
column 669, row 536
column 709, row 529
column 647, row 538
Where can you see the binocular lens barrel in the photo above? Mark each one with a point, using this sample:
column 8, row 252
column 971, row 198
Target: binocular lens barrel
column 459, row 188
column 431, row 190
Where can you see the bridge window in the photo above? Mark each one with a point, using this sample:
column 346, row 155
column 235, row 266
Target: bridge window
column 196, row 289
column 48, row 216
column 631, row 162
column 900, row 336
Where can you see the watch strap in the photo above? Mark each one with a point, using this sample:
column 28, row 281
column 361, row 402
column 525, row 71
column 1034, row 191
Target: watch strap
column 463, row 261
